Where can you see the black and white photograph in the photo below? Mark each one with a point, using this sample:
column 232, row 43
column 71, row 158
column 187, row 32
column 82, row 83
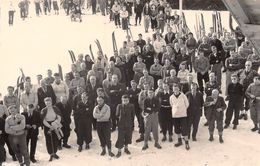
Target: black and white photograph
column 130, row 82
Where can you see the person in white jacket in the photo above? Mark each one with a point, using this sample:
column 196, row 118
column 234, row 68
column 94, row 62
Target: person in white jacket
column 179, row 104
column 60, row 88
column 159, row 43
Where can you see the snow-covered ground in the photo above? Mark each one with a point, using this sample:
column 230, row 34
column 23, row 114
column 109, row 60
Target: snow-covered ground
column 40, row 43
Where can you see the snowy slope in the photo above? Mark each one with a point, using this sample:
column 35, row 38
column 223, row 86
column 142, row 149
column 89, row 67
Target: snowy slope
column 41, row 43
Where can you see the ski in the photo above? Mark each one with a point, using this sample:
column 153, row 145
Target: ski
column 60, row 71
column 114, row 42
column 71, row 56
column 91, row 52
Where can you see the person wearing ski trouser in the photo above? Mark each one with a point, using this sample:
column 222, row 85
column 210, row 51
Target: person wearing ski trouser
column 150, row 113
column 180, row 104
column 69, row 6
column 147, row 16
column 83, row 119
column 133, row 94
column 235, row 95
column 102, row 114
column 3, row 135
column 246, row 77
column 124, row 16
column 115, row 92
column 11, row 12
column 33, row 122
column 102, row 6
column 15, row 127
column 51, row 116
column 165, row 113
column 253, row 92
column 126, row 115
column 38, row 9
column 116, row 11
column 215, row 106
column 138, row 9
column 46, row 7
column 65, row 107
column 194, row 111
column 94, row 6
column 22, row 7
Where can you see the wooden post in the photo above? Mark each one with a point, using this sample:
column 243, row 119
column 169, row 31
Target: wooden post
column 181, row 19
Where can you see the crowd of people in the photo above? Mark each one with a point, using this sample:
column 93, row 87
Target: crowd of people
column 166, row 82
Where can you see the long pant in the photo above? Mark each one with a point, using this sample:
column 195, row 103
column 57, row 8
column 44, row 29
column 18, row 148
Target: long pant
column 147, row 21
column 117, row 19
column 140, row 119
column 4, row 140
column 94, row 6
column 151, row 124
column 51, row 140
column 23, row 13
column 11, row 17
column 200, row 79
column 46, row 8
column 180, row 126
column 50, row 5
column 32, row 138
column 113, row 116
column 216, row 68
column 69, row 8
column 216, row 117
column 233, row 108
column 102, row 6
column 166, row 120
column 18, row 144
column 38, row 8
column 255, row 112
column 138, row 16
column 55, row 6
column 154, row 24
column 2, row 154
column 124, row 137
column 192, row 60
column 84, row 131
column 193, row 122
column 161, row 25
column 246, row 103
column 104, row 133
column 66, row 132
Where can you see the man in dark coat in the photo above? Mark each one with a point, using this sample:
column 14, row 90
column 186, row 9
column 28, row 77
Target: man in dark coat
column 91, row 89
column 165, row 113
column 33, row 122
column 151, row 109
column 83, row 119
column 3, row 135
column 215, row 106
column 169, row 36
column 138, row 9
column 133, row 94
column 43, row 92
column 115, row 92
column 235, row 95
column 194, row 111
column 65, row 109
column 246, row 77
column 126, row 114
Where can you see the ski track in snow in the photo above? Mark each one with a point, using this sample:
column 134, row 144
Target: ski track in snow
column 37, row 44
